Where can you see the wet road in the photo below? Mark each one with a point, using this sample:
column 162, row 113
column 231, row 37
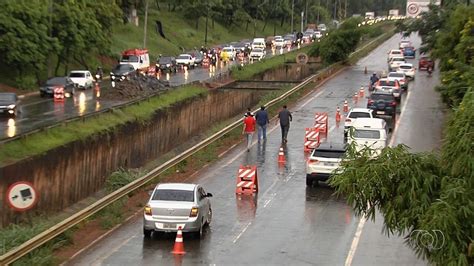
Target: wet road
column 286, row 223
column 36, row 112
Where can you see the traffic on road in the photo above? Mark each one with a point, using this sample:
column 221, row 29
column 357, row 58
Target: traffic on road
column 271, row 204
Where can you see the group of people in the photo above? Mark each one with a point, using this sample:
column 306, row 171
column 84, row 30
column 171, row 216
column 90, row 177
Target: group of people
column 260, row 123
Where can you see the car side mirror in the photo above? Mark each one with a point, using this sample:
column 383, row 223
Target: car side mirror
column 208, row 195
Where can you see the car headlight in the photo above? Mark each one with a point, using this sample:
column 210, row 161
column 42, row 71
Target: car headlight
column 168, row 65
column 11, row 106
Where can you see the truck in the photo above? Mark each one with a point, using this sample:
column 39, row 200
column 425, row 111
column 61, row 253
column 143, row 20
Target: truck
column 393, row 13
column 369, row 15
column 138, row 58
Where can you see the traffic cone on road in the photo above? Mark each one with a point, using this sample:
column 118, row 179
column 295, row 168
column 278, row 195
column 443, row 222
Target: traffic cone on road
column 281, row 156
column 338, row 115
column 356, row 97
column 178, row 248
column 345, row 107
column 361, row 92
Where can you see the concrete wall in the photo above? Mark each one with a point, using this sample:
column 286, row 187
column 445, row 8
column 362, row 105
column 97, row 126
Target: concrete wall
column 290, row 72
column 68, row 174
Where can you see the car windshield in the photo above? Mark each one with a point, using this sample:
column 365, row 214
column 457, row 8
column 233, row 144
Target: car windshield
column 257, row 50
column 8, row 97
column 405, row 67
column 227, row 49
column 387, row 83
column 279, row 40
column 183, row 57
column 123, row 67
column 328, row 153
column 165, row 60
column 173, row 195
column 77, row 75
column 396, row 52
column 398, row 59
column 380, row 96
column 366, row 134
column 396, row 75
column 359, row 115
column 56, row 81
column 129, row 58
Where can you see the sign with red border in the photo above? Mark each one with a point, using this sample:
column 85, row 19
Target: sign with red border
column 21, row 196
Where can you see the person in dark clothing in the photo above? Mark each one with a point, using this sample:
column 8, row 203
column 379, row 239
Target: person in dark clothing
column 262, row 122
column 285, row 119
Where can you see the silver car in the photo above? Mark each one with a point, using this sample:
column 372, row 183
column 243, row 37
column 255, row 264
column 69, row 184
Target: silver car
column 175, row 205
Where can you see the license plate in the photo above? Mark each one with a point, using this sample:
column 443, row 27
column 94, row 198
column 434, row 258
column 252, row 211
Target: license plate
column 380, row 112
column 329, row 164
column 169, row 226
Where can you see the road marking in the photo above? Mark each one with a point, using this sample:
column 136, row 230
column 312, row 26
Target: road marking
column 355, row 240
column 241, row 233
column 311, row 99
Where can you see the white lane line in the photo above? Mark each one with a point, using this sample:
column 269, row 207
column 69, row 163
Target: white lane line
column 311, row 99
column 269, row 200
column 99, row 260
column 241, row 232
column 355, row 240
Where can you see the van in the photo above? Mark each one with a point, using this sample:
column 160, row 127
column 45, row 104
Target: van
column 369, row 132
column 258, row 43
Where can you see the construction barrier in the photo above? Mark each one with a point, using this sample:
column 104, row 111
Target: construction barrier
column 247, row 180
column 206, row 62
column 321, row 122
column 311, row 139
column 58, row 94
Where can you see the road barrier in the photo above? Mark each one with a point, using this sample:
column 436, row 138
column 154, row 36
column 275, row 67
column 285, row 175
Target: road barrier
column 247, row 180
column 311, row 138
column 321, row 122
column 49, row 234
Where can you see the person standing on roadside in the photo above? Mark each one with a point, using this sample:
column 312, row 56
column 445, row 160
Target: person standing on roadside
column 262, row 121
column 249, row 128
column 285, row 119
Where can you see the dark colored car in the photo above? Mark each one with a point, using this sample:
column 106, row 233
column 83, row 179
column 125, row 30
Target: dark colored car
column 122, row 71
column 425, row 62
column 409, row 52
column 8, row 103
column 168, row 63
column 383, row 103
column 65, row 82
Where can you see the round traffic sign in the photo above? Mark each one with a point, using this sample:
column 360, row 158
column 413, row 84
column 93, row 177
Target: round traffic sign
column 302, row 58
column 413, row 9
column 21, row 196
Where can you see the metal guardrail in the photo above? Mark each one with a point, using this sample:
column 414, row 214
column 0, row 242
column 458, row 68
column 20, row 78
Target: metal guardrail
column 42, row 238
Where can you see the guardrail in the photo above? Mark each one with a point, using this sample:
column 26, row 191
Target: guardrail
column 40, row 239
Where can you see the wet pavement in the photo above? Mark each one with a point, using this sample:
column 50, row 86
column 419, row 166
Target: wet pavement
column 36, row 112
column 287, row 223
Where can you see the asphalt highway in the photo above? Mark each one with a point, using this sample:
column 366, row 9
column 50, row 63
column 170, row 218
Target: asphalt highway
column 288, row 223
column 36, row 112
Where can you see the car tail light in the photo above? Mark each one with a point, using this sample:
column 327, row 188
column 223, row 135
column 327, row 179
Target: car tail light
column 194, row 212
column 394, row 103
column 147, row 210
column 348, row 120
column 312, row 160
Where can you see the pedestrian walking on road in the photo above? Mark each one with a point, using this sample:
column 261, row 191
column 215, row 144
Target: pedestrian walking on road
column 249, row 129
column 262, row 121
column 285, row 119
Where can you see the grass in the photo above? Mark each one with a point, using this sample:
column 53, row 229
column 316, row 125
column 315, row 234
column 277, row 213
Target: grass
column 41, row 142
column 249, row 71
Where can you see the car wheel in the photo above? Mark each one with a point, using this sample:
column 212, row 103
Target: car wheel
column 200, row 233
column 147, row 233
column 209, row 217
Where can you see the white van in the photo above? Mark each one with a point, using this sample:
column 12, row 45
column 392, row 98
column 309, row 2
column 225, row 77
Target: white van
column 370, row 132
column 258, row 43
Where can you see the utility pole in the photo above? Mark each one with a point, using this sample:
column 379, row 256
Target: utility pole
column 302, row 21
column 292, row 11
column 306, row 13
column 50, row 59
column 335, row 9
column 207, row 18
column 145, row 24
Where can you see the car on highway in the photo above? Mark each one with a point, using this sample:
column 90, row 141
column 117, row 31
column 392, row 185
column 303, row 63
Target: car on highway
column 258, row 43
column 408, row 69
column 383, row 103
column 389, row 85
column 168, row 64
column 393, row 53
column 198, row 57
column 228, row 52
column 322, row 27
column 309, row 32
column 240, row 47
column 122, row 71
column 318, row 35
column 369, row 132
column 257, row 54
column 177, row 205
column 395, row 62
column 82, row 78
column 403, row 44
column 307, row 38
column 279, row 43
column 8, row 103
column 400, row 77
column 409, row 52
column 323, row 162
column 185, row 60
column 425, row 62
column 47, row 89
column 353, row 115
column 290, row 39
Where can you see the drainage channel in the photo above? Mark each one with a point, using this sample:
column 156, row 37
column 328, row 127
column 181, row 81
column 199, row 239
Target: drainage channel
column 259, row 85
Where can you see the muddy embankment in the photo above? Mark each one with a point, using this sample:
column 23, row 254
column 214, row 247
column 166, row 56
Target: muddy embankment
column 68, row 174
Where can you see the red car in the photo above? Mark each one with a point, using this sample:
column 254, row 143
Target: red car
column 426, row 62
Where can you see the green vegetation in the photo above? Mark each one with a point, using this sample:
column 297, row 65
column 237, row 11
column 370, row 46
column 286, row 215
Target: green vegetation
column 44, row 141
column 428, row 197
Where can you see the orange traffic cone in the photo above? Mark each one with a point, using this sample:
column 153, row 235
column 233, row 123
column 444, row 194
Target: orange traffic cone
column 345, row 107
column 338, row 115
column 361, row 92
column 281, row 156
column 178, row 244
column 356, row 97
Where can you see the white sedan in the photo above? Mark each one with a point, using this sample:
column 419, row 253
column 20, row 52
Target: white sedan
column 257, row 54
column 395, row 62
column 408, row 69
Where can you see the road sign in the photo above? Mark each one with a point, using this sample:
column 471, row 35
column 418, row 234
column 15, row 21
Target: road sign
column 302, row 58
column 22, row 196
column 416, row 7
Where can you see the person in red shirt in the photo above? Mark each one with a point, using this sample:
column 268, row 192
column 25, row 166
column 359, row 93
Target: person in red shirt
column 249, row 128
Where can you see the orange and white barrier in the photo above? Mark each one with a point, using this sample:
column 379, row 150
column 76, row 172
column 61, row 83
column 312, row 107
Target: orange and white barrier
column 345, row 107
column 321, row 122
column 311, row 139
column 58, row 94
column 247, row 180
